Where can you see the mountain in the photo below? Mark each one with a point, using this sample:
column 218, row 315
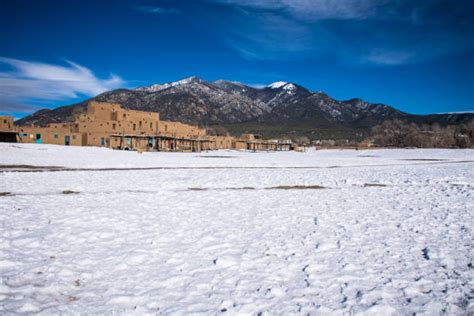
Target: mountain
column 279, row 109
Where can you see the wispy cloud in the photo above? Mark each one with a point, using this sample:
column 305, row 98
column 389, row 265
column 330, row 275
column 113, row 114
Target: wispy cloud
column 316, row 9
column 268, row 36
column 257, row 85
column 157, row 10
column 351, row 31
column 389, row 58
column 26, row 81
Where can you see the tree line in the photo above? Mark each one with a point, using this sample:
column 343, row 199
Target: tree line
column 398, row 133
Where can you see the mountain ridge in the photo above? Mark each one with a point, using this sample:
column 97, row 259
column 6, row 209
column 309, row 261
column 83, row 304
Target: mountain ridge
column 278, row 109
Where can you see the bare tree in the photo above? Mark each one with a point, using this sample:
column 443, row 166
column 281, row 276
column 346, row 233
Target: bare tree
column 401, row 134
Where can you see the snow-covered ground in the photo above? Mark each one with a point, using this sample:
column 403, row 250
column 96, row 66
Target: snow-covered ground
column 389, row 232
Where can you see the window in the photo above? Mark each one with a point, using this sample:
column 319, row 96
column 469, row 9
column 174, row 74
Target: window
column 151, row 125
column 134, row 126
column 166, row 128
column 140, row 124
column 56, row 136
column 113, row 126
column 4, row 121
column 102, row 141
column 124, row 115
column 73, row 136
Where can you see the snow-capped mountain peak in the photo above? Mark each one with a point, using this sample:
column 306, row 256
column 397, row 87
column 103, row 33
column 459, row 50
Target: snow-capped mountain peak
column 277, row 84
column 159, row 87
column 152, row 88
column 185, row 81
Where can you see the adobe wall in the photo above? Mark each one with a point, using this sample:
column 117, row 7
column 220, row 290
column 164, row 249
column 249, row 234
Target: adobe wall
column 6, row 123
column 222, row 142
column 180, row 130
column 109, row 118
column 48, row 135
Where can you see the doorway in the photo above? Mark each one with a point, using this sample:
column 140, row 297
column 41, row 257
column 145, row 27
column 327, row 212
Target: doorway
column 67, row 140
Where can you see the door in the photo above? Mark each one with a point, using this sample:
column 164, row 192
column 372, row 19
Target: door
column 67, row 140
column 38, row 138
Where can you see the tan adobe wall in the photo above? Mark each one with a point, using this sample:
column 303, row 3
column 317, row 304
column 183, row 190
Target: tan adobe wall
column 240, row 144
column 181, row 130
column 222, row 142
column 110, row 118
column 98, row 139
column 48, row 135
column 104, row 111
column 63, row 127
column 6, row 123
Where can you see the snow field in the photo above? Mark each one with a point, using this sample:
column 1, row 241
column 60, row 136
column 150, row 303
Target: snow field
column 384, row 236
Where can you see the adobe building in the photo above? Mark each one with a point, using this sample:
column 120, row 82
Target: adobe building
column 222, row 142
column 257, row 143
column 6, row 123
column 109, row 125
column 7, row 131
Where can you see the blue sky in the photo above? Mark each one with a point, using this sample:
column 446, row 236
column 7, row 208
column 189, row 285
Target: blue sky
column 417, row 56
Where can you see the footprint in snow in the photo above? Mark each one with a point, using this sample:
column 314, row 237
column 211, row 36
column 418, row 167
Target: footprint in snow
column 426, row 253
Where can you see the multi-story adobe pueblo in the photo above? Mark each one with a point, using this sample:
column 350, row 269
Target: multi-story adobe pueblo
column 109, row 125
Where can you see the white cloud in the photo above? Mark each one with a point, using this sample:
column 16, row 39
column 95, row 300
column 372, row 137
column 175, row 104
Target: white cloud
column 257, row 85
column 157, row 10
column 376, row 32
column 388, row 58
column 316, row 9
column 297, row 29
column 47, row 82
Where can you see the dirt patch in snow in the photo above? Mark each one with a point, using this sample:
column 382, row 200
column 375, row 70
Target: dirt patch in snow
column 219, row 189
column 29, row 167
column 296, row 187
column 69, row 192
